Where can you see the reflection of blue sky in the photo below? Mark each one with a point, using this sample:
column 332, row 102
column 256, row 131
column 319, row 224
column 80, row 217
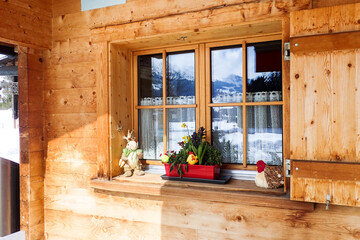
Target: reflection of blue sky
column 225, row 62
column 183, row 63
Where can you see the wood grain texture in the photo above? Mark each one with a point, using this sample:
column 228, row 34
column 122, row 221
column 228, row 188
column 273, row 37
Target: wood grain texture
column 229, row 16
column 335, row 19
column 329, row 42
column 330, row 3
column 325, row 170
column 103, row 110
column 26, row 22
column 31, row 142
column 324, row 105
column 323, row 117
column 73, row 210
column 120, row 103
column 218, row 218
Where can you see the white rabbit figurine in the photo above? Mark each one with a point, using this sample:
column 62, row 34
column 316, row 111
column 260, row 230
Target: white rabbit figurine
column 130, row 158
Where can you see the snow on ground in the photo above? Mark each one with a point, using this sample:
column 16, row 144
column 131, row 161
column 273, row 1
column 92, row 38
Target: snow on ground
column 9, row 137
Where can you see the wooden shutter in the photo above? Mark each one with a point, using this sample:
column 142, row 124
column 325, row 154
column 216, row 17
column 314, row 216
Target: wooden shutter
column 325, row 105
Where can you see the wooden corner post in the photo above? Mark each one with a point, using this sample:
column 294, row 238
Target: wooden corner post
column 102, row 123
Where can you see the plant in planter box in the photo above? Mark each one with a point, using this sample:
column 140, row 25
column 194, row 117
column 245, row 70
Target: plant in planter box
column 196, row 158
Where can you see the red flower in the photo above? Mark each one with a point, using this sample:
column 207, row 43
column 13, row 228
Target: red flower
column 191, row 153
column 260, row 166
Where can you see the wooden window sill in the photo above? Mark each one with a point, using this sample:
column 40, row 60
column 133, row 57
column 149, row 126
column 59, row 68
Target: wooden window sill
column 236, row 191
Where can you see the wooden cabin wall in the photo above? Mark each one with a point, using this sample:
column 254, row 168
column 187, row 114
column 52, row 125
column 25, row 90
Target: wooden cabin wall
column 26, row 24
column 73, row 210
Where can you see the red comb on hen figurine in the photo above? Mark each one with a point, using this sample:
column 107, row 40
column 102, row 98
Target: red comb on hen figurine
column 260, row 166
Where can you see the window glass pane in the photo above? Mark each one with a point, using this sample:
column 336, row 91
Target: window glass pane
column 150, row 77
column 264, row 134
column 227, row 133
column 264, row 64
column 151, row 132
column 226, row 74
column 175, row 133
column 180, row 69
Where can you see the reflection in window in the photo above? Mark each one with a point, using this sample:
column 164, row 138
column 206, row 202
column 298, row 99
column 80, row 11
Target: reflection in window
column 151, row 132
column 227, row 133
column 226, row 74
column 264, row 134
column 264, row 65
column 175, row 133
column 180, row 70
column 150, row 77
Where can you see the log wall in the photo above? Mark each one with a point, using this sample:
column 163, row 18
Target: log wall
column 27, row 25
column 26, row 22
column 74, row 118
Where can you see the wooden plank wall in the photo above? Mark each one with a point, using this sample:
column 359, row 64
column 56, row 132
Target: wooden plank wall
column 325, row 123
column 72, row 209
column 27, row 25
column 26, row 22
column 31, row 86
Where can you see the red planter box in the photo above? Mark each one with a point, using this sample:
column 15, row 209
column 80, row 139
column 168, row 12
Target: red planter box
column 195, row 171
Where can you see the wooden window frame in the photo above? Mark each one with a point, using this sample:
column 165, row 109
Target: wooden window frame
column 203, row 105
column 164, row 106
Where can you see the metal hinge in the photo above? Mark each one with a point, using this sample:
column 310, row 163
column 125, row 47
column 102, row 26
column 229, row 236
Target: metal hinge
column 287, row 167
column 287, row 51
column 328, row 199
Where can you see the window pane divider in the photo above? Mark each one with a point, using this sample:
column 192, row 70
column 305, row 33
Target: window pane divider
column 166, row 106
column 164, row 103
column 244, row 104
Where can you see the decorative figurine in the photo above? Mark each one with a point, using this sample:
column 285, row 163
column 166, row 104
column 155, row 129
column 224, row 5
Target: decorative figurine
column 130, row 158
column 269, row 176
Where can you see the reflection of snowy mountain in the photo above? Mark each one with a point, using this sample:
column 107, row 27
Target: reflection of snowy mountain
column 230, row 84
column 181, row 84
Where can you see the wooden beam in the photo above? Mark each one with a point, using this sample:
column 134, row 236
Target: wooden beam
column 235, row 192
column 325, row 20
column 325, row 42
column 248, row 13
column 103, row 121
column 325, row 170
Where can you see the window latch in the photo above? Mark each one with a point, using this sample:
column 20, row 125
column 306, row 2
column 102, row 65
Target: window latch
column 287, row 167
column 287, row 51
column 328, row 199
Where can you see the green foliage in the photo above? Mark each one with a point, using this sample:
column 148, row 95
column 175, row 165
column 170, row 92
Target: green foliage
column 213, row 156
column 5, row 94
column 206, row 154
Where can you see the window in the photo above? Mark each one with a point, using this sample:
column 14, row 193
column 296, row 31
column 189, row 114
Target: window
column 233, row 88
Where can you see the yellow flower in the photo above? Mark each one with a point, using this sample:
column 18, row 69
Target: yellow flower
column 192, row 159
column 183, row 125
column 186, row 139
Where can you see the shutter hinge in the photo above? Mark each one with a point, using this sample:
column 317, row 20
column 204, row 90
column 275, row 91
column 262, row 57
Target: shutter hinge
column 287, row 167
column 287, row 51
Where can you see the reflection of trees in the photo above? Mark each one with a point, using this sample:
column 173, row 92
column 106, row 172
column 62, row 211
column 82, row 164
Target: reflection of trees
column 229, row 152
column 269, row 82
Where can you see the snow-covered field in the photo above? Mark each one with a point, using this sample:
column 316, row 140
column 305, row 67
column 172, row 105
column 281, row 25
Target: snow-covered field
column 9, row 137
column 266, row 146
